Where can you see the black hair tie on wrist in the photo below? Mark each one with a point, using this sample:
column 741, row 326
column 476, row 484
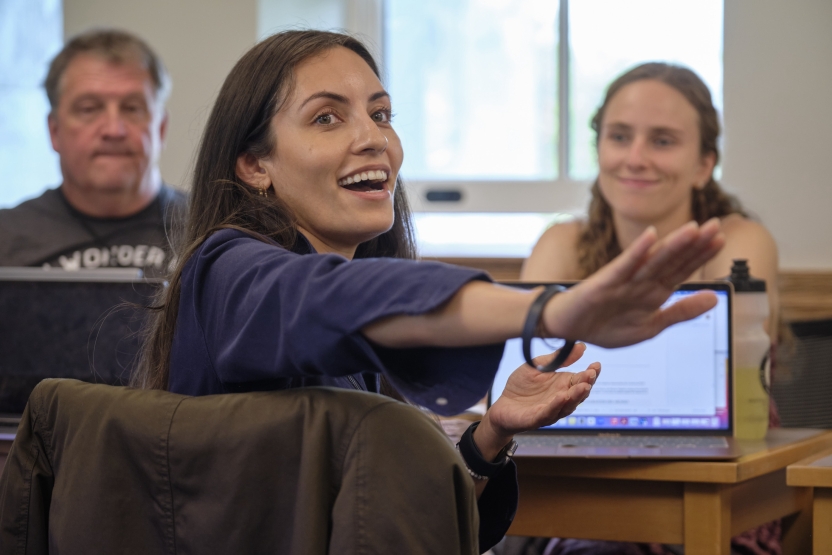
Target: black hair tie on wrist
column 529, row 328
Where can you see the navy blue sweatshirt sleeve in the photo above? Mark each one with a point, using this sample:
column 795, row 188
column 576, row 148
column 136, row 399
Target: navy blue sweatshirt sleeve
column 261, row 313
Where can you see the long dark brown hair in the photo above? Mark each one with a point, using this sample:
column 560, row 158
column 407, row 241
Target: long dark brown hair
column 239, row 123
column 598, row 243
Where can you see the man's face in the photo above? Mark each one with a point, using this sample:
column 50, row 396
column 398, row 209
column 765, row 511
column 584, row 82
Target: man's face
column 107, row 127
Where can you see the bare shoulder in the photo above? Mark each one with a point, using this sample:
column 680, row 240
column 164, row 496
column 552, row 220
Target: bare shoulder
column 555, row 256
column 744, row 233
column 751, row 241
column 747, row 239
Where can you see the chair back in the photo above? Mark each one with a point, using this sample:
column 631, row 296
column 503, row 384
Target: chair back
column 802, row 379
column 103, row 469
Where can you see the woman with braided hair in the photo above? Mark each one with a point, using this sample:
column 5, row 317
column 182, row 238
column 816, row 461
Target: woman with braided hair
column 656, row 139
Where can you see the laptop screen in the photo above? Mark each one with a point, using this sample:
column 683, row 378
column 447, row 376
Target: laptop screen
column 81, row 325
column 678, row 380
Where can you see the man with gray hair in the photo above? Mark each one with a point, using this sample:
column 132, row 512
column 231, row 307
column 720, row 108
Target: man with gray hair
column 107, row 90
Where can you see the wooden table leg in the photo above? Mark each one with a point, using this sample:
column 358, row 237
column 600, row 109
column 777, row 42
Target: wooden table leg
column 707, row 519
column 822, row 522
column 797, row 529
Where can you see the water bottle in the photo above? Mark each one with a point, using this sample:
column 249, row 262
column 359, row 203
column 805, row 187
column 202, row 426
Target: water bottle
column 751, row 353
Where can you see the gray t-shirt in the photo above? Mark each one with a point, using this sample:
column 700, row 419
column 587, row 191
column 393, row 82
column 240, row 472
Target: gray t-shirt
column 47, row 231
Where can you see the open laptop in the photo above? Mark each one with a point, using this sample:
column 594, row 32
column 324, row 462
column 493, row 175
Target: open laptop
column 56, row 324
column 668, row 397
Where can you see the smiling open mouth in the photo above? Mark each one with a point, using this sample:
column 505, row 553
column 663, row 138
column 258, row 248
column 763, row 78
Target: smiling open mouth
column 365, row 181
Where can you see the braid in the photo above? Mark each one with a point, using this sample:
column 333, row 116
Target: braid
column 712, row 202
column 598, row 242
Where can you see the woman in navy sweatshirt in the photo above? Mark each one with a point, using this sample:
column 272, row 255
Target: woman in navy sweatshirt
column 297, row 268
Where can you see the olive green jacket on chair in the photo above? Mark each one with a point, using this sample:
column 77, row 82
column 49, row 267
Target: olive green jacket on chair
column 101, row 469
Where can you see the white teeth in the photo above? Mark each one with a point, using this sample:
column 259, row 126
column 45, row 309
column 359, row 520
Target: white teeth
column 372, row 175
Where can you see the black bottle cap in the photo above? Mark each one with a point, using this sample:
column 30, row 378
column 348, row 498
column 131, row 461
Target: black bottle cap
column 742, row 279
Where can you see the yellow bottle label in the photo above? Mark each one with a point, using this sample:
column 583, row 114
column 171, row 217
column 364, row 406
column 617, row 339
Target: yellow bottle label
column 751, row 406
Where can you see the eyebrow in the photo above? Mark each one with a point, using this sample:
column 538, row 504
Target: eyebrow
column 627, row 127
column 341, row 98
column 97, row 96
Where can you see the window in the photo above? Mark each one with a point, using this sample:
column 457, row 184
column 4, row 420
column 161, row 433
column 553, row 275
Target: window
column 474, row 84
column 31, row 33
column 493, row 98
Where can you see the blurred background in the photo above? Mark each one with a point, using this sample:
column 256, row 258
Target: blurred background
column 492, row 98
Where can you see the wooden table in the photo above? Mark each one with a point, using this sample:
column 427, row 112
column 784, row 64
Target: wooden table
column 816, row 472
column 700, row 504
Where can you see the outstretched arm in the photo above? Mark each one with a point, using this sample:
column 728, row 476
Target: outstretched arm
column 618, row 305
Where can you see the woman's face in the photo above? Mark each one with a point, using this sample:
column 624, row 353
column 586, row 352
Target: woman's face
column 649, row 153
column 337, row 156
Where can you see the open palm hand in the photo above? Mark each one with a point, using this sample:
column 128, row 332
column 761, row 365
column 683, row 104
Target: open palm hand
column 532, row 399
column 621, row 304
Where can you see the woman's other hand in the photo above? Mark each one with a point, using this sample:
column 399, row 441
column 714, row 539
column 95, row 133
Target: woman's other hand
column 621, row 304
column 532, row 399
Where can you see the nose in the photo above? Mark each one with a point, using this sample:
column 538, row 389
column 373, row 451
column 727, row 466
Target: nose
column 369, row 138
column 113, row 125
column 636, row 153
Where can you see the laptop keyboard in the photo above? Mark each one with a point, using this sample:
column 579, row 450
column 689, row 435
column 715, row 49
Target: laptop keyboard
column 644, row 442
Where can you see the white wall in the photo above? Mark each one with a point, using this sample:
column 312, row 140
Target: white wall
column 277, row 15
column 199, row 41
column 778, row 122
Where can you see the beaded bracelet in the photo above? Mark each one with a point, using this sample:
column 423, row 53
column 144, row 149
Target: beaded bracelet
column 477, row 466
